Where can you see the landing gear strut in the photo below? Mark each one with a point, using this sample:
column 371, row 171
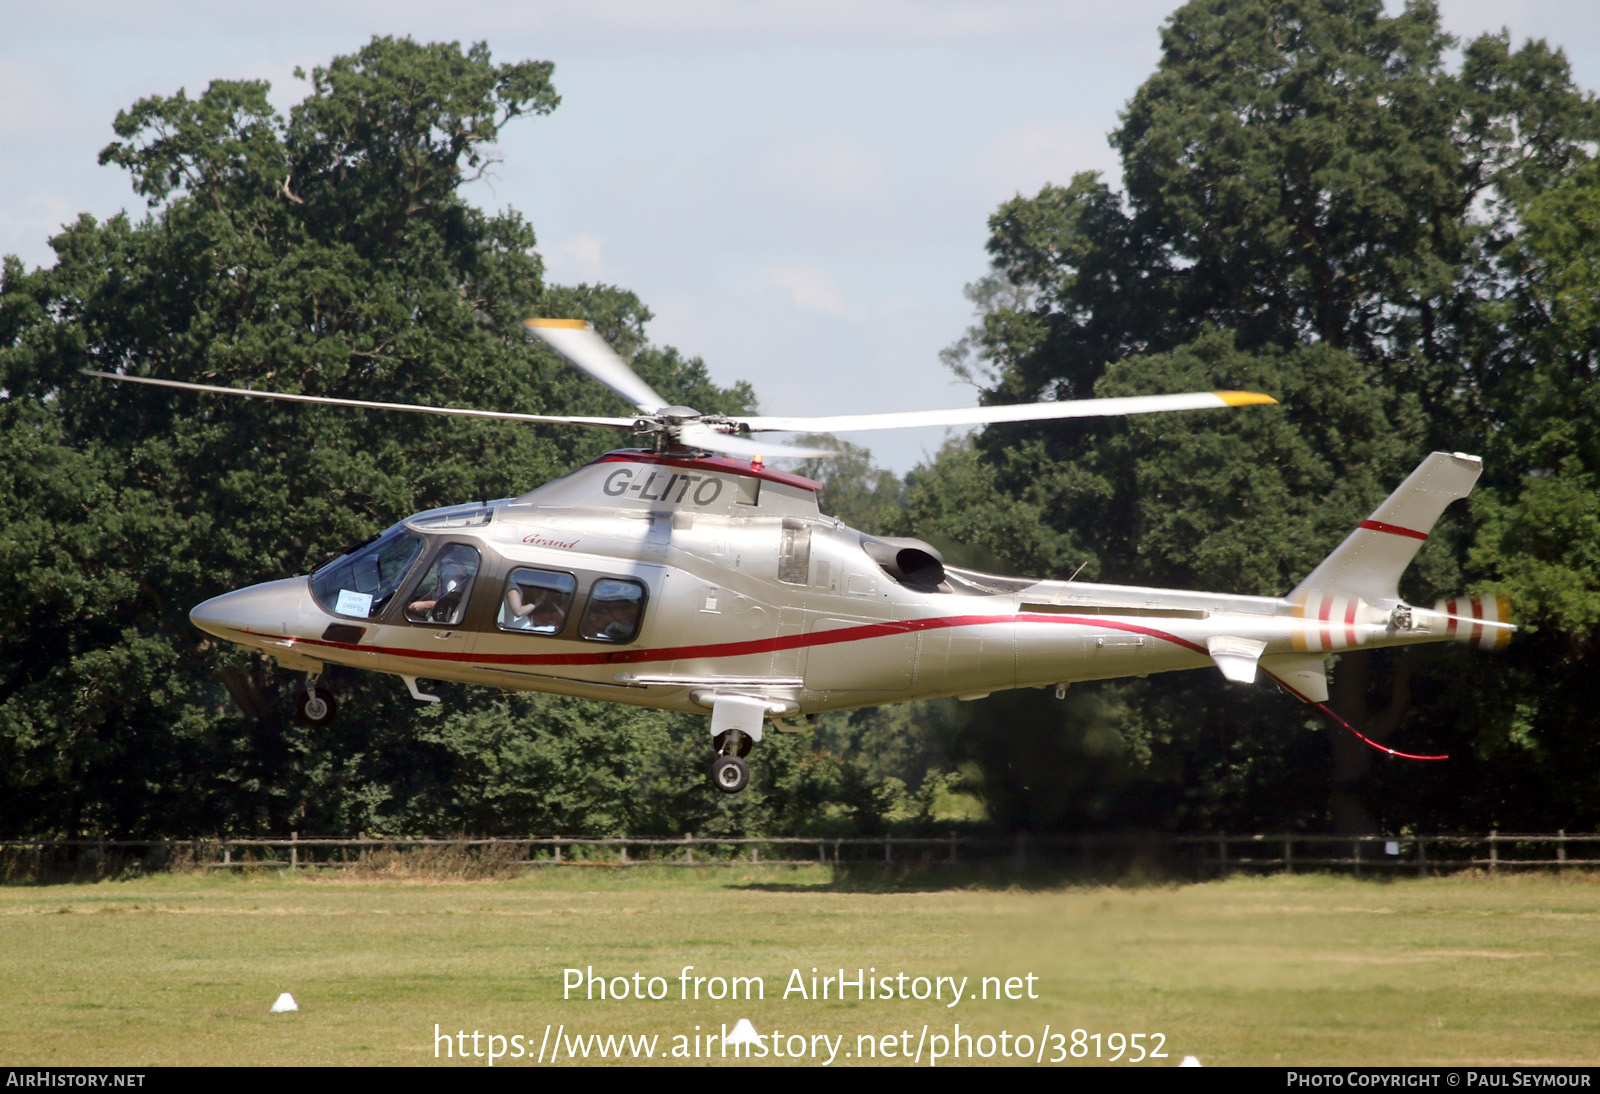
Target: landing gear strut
column 736, row 722
column 315, row 705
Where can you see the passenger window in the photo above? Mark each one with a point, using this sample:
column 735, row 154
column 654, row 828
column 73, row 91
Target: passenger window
column 615, row 605
column 536, row 601
column 441, row 596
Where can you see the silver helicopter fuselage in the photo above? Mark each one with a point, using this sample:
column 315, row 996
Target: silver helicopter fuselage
column 744, row 598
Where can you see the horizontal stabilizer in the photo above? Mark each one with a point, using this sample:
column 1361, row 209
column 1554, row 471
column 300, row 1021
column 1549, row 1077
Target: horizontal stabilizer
column 1304, row 675
column 1368, row 564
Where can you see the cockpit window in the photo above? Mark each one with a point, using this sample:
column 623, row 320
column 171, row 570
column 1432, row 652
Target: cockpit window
column 441, row 596
column 613, row 613
column 536, row 601
column 361, row 583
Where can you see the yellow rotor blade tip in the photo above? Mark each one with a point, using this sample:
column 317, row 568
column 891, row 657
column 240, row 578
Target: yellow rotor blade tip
column 570, row 324
column 1243, row 398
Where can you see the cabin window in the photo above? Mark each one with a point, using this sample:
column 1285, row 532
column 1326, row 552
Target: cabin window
column 441, row 596
column 614, row 609
column 362, row 582
column 536, row 601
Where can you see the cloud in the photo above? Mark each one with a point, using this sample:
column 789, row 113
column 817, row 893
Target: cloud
column 809, row 287
column 1046, row 150
column 578, row 258
column 833, row 171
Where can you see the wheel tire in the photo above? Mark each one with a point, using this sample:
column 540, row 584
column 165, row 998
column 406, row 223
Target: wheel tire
column 315, row 707
column 730, row 774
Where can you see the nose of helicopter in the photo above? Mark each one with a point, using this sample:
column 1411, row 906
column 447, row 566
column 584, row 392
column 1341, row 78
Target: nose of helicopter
column 271, row 608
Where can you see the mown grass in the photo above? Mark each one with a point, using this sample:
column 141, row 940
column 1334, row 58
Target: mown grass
column 181, row 969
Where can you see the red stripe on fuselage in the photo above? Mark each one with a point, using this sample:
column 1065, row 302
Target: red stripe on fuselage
column 760, row 645
column 1391, row 529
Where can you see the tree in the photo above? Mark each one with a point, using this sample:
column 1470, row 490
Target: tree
column 1318, row 207
column 327, row 252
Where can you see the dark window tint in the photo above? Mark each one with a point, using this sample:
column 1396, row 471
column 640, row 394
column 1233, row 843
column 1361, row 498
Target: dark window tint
column 613, row 611
column 536, row 601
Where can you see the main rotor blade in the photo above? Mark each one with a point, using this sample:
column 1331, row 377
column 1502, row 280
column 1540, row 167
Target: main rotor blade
column 576, row 340
column 697, row 435
column 1024, row 412
column 454, row 411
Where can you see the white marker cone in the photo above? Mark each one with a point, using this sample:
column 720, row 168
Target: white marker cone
column 742, row 1033
column 285, row 1003
column 1190, row 1061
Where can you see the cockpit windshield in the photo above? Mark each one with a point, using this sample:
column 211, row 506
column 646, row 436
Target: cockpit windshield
column 362, row 583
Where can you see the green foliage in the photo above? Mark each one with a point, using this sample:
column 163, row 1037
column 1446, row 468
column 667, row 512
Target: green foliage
column 330, row 253
column 1318, row 207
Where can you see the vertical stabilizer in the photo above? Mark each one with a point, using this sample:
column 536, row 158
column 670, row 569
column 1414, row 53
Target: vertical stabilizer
column 1368, row 564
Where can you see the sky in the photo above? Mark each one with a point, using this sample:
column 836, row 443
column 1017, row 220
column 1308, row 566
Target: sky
column 798, row 190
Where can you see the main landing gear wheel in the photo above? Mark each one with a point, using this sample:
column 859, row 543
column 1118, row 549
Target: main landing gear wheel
column 730, row 774
column 315, row 707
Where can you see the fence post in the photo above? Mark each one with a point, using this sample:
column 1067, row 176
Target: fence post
column 688, row 850
column 1561, row 850
column 1494, row 851
column 227, row 855
column 558, row 850
column 1288, row 855
column 294, row 852
column 624, row 850
column 1422, row 857
column 1357, row 846
column 888, row 854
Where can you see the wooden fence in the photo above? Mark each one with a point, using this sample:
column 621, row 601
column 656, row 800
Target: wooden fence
column 1198, row 855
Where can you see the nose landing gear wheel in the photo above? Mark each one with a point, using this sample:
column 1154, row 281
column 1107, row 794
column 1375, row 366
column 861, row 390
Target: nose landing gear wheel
column 315, row 707
column 730, row 774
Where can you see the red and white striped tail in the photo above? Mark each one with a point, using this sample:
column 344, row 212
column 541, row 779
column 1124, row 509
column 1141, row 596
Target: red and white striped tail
column 1333, row 622
column 1483, row 621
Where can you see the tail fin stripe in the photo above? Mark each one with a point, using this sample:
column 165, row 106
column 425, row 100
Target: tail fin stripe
column 1391, row 529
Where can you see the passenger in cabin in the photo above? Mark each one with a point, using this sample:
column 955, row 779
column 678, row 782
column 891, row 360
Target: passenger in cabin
column 536, row 601
column 531, row 608
column 613, row 612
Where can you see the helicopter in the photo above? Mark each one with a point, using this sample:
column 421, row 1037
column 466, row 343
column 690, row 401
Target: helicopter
column 685, row 574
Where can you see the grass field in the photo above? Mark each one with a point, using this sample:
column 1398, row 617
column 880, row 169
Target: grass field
column 181, row 969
